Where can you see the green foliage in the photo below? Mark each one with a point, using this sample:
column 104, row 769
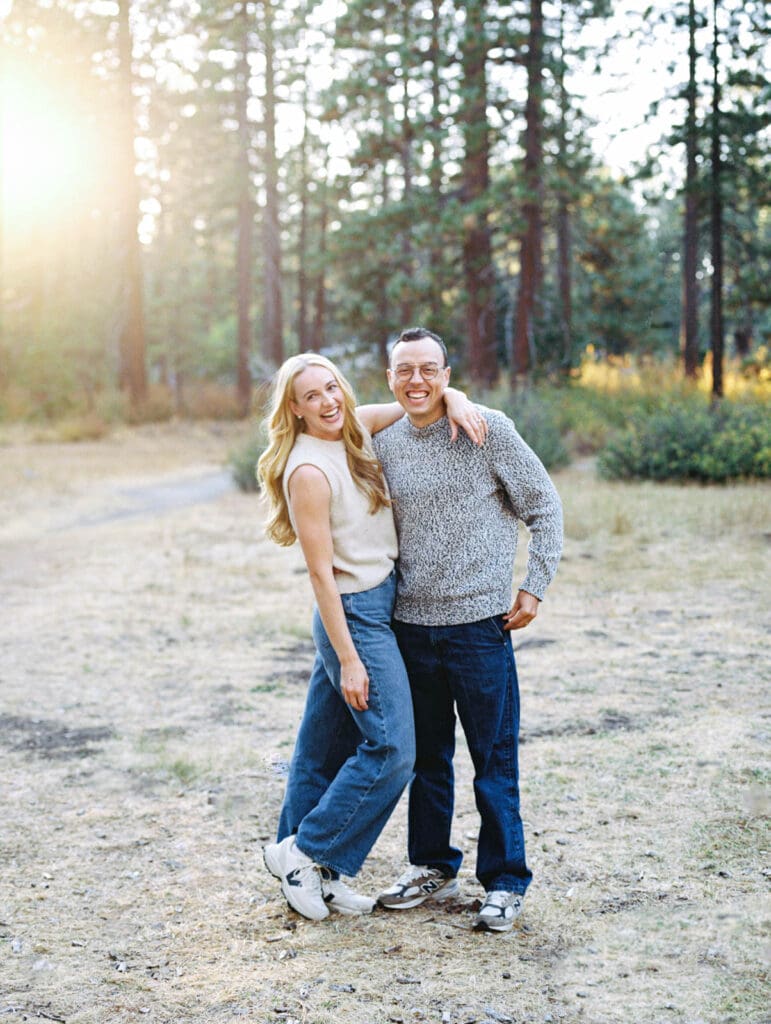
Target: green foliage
column 688, row 441
column 537, row 420
column 243, row 463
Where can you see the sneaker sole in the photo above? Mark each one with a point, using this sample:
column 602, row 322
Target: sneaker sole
column 444, row 893
column 349, row 911
column 481, row 925
column 272, row 861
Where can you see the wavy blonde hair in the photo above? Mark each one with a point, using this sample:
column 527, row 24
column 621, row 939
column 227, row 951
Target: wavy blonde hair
column 283, row 429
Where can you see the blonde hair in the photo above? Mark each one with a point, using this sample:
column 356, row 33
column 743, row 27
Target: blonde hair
column 283, row 428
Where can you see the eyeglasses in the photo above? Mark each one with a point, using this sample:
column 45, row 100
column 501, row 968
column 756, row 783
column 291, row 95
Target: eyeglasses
column 405, row 371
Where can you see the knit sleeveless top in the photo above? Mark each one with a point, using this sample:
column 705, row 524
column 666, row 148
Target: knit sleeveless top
column 364, row 546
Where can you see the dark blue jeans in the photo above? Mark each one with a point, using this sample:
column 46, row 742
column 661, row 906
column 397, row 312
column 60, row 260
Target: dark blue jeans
column 469, row 667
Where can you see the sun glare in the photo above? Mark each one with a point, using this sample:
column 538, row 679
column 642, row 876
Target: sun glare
column 44, row 152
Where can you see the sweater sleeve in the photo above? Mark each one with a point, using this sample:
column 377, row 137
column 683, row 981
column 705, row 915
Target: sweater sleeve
column 533, row 498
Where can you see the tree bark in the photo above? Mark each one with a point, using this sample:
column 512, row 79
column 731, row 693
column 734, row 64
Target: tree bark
column 690, row 240
column 717, row 328
column 531, row 246
column 405, row 306
column 479, row 272
column 303, row 334
column 245, row 226
column 132, row 373
column 435, row 169
column 319, row 306
column 564, row 227
column 273, row 338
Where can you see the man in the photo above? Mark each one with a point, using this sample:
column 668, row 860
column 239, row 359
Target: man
column 457, row 508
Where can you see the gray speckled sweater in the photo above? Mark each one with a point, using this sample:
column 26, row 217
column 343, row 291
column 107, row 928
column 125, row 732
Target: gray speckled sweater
column 456, row 508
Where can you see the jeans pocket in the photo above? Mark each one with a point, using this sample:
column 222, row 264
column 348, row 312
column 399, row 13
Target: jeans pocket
column 496, row 621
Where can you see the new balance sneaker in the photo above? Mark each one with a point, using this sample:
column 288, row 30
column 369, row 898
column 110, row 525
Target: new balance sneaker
column 499, row 911
column 417, row 885
column 340, row 897
column 300, row 878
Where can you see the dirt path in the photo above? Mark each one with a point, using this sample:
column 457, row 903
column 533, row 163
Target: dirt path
column 153, row 657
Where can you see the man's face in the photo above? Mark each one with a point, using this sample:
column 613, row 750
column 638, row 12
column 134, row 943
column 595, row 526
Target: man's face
column 419, row 393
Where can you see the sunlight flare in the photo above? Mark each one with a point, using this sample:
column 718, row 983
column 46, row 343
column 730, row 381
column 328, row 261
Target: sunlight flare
column 46, row 152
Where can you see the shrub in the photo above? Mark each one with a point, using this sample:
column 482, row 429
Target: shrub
column 243, row 463
column 692, row 442
column 537, row 421
column 88, row 427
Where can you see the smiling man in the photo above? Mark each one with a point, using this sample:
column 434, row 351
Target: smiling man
column 457, row 509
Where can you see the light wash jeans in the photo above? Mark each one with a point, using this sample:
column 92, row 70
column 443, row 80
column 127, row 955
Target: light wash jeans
column 349, row 767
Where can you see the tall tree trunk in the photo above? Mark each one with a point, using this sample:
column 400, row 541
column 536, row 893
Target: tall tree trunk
column 383, row 304
column 479, row 273
column 274, row 339
column 302, row 241
column 319, row 306
column 405, row 308
column 435, row 168
column 531, row 246
column 564, row 239
column 245, row 224
column 717, row 329
column 690, row 240
column 131, row 342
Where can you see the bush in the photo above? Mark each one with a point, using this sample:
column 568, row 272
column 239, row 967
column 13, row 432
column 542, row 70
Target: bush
column 243, row 463
column 692, row 442
column 537, row 421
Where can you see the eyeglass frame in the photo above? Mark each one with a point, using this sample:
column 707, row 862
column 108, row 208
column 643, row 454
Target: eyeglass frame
column 406, row 371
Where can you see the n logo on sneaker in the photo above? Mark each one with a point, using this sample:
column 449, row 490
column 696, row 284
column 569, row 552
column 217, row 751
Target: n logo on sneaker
column 292, row 877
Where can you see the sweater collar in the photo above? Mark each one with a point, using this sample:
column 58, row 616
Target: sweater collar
column 434, row 429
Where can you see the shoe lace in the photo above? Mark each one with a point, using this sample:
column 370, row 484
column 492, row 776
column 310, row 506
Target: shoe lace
column 501, row 899
column 338, row 887
column 307, row 875
column 413, row 872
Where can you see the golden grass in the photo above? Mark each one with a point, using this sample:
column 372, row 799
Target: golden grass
column 630, row 374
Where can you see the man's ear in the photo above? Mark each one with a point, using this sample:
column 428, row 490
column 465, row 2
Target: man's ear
column 390, row 380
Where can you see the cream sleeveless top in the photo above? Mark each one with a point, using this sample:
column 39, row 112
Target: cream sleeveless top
column 364, row 546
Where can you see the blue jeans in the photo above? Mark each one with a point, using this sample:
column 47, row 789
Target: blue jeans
column 469, row 667
column 349, row 767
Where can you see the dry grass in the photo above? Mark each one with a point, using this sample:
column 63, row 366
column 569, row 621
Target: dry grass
column 152, row 671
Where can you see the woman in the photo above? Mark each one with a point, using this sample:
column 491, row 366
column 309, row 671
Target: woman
column 355, row 749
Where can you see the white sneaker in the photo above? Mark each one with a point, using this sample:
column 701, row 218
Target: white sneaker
column 499, row 911
column 417, row 885
column 300, row 878
column 340, row 897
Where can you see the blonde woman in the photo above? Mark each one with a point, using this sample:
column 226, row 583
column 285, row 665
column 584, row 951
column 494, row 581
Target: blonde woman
column 355, row 749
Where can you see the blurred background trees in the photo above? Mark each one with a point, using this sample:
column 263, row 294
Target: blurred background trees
column 192, row 190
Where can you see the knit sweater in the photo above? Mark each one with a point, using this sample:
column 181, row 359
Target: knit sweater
column 456, row 508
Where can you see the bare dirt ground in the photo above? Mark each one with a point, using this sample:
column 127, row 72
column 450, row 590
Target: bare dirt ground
column 154, row 649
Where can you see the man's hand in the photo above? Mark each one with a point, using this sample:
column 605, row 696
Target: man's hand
column 354, row 683
column 523, row 611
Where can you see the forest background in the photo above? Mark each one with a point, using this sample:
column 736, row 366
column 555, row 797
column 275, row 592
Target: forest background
column 191, row 191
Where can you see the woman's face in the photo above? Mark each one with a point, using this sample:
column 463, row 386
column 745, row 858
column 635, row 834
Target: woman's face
column 318, row 399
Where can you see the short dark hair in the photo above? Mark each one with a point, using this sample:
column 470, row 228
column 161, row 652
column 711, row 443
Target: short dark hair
column 416, row 334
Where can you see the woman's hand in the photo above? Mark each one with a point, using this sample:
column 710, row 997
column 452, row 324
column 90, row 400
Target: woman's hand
column 463, row 413
column 354, row 683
